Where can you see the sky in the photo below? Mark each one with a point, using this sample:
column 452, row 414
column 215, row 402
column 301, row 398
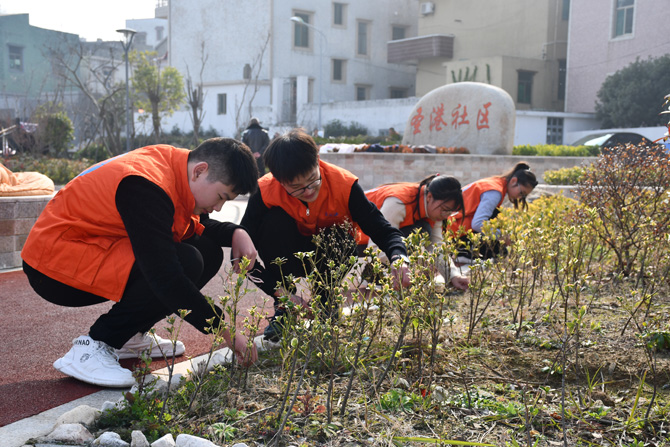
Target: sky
column 90, row 19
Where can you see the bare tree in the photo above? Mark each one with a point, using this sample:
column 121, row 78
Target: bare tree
column 195, row 96
column 251, row 82
column 91, row 69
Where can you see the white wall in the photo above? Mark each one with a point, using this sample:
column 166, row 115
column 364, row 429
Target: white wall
column 531, row 126
column 377, row 115
column 231, row 34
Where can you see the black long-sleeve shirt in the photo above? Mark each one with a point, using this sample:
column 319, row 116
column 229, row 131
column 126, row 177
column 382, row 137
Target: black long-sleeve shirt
column 147, row 213
column 363, row 212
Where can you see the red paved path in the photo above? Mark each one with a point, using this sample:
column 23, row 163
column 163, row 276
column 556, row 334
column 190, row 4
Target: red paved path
column 34, row 333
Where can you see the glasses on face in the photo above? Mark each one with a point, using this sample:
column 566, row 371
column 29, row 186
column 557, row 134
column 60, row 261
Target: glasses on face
column 315, row 184
column 446, row 210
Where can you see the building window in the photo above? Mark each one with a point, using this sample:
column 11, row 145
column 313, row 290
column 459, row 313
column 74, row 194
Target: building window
column 362, row 92
column 159, row 33
column 398, row 92
column 363, row 38
column 565, row 14
column 301, row 32
column 554, row 130
column 623, row 20
column 561, row 79
column 339, row 70
column 222, row 104
column 246, row 71
column 15, row 58
column 339, row 14
column 525, row 87
column 398, row 32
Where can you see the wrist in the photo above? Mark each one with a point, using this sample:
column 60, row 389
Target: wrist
column 402, row 257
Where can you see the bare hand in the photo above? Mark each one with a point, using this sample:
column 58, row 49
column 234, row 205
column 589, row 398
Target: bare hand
column 245, row 355
column 400, row 273
column 460, row 282
column 242, row 246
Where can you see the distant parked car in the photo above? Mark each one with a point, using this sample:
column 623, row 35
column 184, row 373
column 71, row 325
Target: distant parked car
column 611, row 139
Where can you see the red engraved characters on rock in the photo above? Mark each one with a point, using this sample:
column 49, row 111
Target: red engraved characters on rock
column 483, row 117
column 459, row 117
column 436, row 118
column 416, row 121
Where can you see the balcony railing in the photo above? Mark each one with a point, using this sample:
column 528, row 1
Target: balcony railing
column 422, row 47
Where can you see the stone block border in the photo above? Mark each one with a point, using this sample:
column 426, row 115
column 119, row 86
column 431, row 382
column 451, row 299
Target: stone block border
column 17, row 217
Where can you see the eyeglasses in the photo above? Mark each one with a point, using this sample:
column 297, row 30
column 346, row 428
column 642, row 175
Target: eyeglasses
column 447, row 210
column 315, row 184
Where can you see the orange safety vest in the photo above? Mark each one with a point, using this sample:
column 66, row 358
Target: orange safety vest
column 406, row 193
column 80, row 239
column 330, row 207
column 472, row 194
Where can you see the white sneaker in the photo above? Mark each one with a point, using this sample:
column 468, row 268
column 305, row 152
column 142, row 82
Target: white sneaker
column 158, row 347
column 94, row 362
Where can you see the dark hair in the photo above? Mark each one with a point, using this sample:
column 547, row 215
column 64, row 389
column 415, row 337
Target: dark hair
column 443, row 188
column 229, row 162
column 291, row 155
column 521, row 171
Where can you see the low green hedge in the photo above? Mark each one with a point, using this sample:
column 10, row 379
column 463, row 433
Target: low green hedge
column 555, row 150
column 564, row 176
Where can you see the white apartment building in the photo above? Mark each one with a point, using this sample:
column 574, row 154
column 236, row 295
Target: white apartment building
column 253, row 59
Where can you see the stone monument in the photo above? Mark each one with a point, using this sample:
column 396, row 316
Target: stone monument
column 473, row 115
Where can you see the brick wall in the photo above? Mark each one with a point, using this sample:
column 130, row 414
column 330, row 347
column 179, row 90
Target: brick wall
column 17, row 216
column 374, row 169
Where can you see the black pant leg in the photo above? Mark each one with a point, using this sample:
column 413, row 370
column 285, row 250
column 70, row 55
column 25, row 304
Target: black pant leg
column 139, row 309
column 58, row 293
column 278, row 237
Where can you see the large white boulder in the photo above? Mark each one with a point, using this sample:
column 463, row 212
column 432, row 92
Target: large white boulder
column 473, row 115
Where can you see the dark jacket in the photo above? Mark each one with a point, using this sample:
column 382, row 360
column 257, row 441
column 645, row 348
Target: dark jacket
column 256, row 138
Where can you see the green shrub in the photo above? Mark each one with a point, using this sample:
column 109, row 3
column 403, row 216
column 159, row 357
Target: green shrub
column 337, row 128
column 60, row 170
column 555, row 150
column 95, row 152
column 564, row 176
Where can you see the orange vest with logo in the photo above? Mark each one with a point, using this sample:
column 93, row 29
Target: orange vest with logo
column 406, row 193
column 330, row 207
column 472, row 194
column 80, row 240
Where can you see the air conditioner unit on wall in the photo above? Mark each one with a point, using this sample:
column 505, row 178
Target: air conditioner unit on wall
column 427, row 8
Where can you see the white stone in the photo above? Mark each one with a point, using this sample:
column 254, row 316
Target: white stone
column 110, row 439
column 137, row 439
column 193, row 441
column 477, row 116
column 82, row 414
column 165, row 441
column 240, row 444
column 70, row 433
column 109, row 405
